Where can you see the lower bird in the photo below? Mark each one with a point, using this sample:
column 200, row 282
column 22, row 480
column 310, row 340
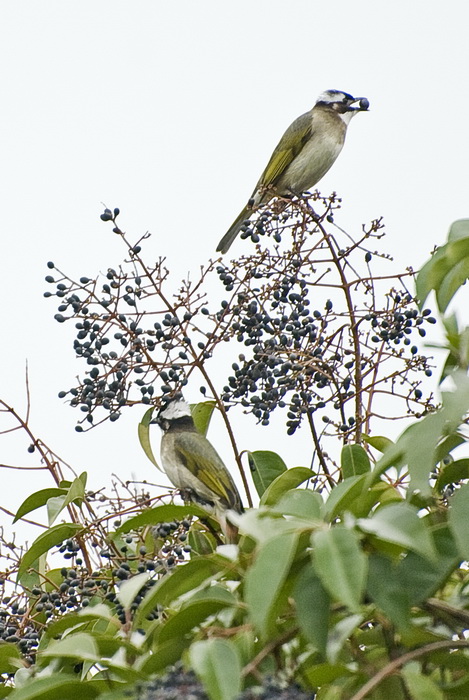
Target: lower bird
column 194, row 466
column 304, row 154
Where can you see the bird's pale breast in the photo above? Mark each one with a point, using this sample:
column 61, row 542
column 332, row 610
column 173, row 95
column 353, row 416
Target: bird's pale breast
column 311, row 164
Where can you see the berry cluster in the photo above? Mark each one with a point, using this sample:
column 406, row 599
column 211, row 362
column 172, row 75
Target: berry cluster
column 304, row 359
column 313, row 339
column 178, row 684
column 22, row 620
column 17, row 628
column 125, row 358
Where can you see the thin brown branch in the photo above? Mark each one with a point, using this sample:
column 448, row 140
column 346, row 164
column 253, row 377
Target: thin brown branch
column 396, row 664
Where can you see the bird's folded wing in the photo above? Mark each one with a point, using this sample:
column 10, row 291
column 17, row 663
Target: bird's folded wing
column 201, row 459
column 291, row 143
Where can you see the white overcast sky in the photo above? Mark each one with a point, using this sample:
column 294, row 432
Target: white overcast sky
column 170, row 111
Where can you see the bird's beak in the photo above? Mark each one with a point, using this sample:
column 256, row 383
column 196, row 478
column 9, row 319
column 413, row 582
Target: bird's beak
column 363, row 104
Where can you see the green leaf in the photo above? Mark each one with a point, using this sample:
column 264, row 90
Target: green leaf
column 75, row 646
column 55, row 687
column 381, row 492
column 354, row 461
column 418, row 444
column 421, row 578
column 289, row 479
column 54, row 507
column 265, row 467
column 458, row 229
column 419, row 686
column 217, row 664
column 183, row 579
column 192, row 615
column 344, row 494
column 321, row 675
column 455, row 278
column 130, row 588
column 312, row 608
column 48, row 539
column 379, row 442
column 340, row 564
column 452, row 473
column 202, row 414
column 446, row 269
column 459, row 520
column 144, row 436
column 340, row 634
column 74, row 494
column 385, row 589
column 36, row 500
column 165, row 654
column 448, row 444
column 8, row 654
column 400, row 524
column 266, row 577
column 303, row 503
column 159, row 514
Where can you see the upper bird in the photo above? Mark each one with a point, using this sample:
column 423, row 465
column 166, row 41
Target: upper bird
column 303, row 155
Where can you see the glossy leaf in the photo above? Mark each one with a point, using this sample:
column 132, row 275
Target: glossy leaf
column 321, row 675
column 202, row 414
column 340, row 564
column 447, row 269
column 217, row 664
column 48, row 539
column 185, row 619
column 420, row 687
column 144, row 436
column 459, row 519
column 400, row 524
column 186, row 577
column 130, row 588
column 344, row 494
column 312, row 608
column 55, row 687
column 289, row 479
column 74, row 494
column 419, row 576
column 354, row 461
column 36, row 500
column 55, row 505
column 418, row 444
column 339, row 635
column 8, row 654
column 81, row 646
column 265, row 466
column 302, row 503
column 379, row 442
column 165, row 654
column 159, row 514
column 266, row 577
column 452, row 473
column 381, row 492
column 384, row 586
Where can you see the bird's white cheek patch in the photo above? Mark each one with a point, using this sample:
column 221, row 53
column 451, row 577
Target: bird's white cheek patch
column 347, row 116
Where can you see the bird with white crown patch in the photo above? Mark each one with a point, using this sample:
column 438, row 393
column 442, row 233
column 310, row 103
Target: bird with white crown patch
column 304, row 154
column 193, row 465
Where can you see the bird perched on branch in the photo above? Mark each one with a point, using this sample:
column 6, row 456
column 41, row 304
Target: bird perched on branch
column 193, row 465
column 304, row 154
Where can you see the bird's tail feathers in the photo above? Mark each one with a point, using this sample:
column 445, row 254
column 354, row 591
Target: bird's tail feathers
column 233, row 231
